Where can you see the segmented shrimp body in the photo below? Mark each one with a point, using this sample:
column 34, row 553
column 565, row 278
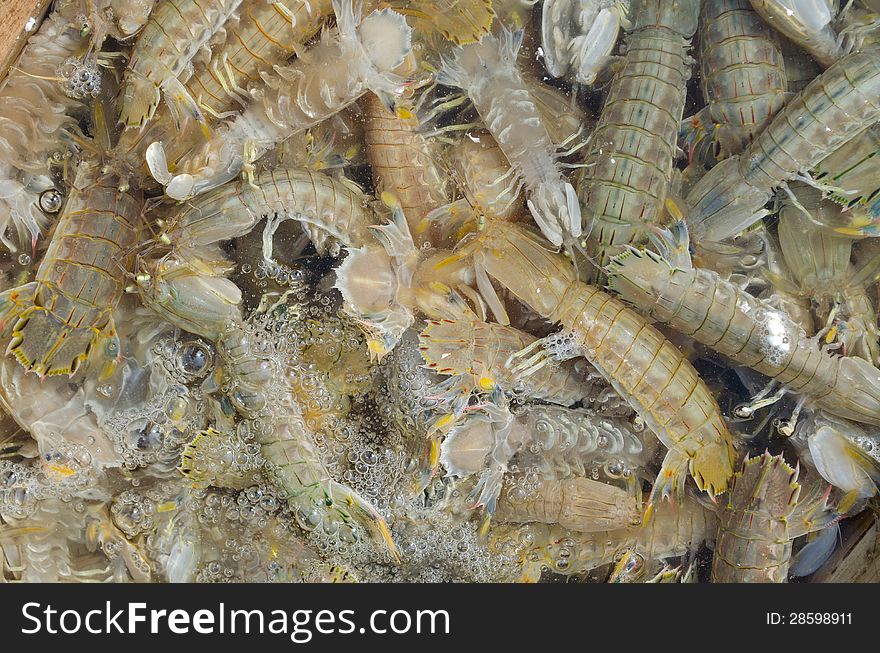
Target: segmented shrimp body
column 719, row 314
column 629, row 167
column 488, row 73
column 481, row 351
column 563, row 442
column 257, row 385
column 486, row 174
column 331, row 211
column 833, row 108
column 578, row 504
column 403, row 162
column 258, row 388
column 266, row 35
column 357, row 57
column 174, row 33
column 654, row 376
column 673, row 531
column 758, row 523
column 34, row 114
column 743, row 73
column 57, row 320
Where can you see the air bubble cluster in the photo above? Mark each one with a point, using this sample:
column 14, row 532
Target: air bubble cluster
column 82, row 77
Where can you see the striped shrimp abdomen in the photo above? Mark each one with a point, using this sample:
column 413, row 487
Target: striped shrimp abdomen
column 833, row 108
column 166, row 46
column 743, row 74
column 629, row 167
column 754, row 544
column 716, row 313
column 266, row 35
column 656, row 379
column 80, row 281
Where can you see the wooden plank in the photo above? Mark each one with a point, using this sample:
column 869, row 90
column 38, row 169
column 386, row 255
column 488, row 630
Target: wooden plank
column 862, row 565
column 18, row 20
column 857, row 559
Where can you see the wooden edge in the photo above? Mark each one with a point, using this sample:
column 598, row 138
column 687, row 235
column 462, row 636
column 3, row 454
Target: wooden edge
column 857, row 559
column 18, row 20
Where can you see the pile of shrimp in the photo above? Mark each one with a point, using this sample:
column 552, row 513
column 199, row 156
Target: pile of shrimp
column 470, row 290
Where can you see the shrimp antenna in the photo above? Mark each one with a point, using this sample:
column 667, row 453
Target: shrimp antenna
column 31, row 75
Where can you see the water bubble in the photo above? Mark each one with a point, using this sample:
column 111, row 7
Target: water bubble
column 195, row 358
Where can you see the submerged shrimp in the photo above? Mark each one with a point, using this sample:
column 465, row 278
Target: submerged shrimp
column 174, row 33
column 489, row 182
column 743, row 73
column 833, row 108
column 646, row 369
column 476, row 356
column 187, row 297
column 357, row 57
column 267, row 34
column 258, row 388
column 563, row 442
column 403, row 162
column 64, row 317
column 385, row 283
column 844, row 454
column 674, row 530
column 488, row 73
column 459, row 21
column 629, row 168
column 721, row 315
column 763, row 513
column 332, row 212
column 577, row 504
column 130, row 16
